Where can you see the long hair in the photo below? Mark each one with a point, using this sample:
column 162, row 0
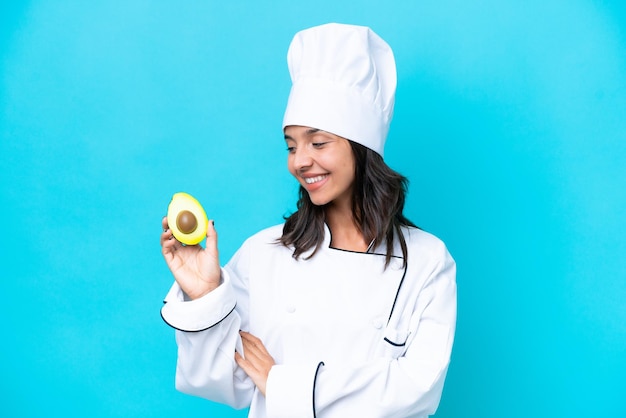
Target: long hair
column 378, row 196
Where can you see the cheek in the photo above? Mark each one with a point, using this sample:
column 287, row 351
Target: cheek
column 348, row 168
column 349, row 175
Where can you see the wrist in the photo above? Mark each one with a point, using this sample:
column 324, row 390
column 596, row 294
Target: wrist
column 206, row 289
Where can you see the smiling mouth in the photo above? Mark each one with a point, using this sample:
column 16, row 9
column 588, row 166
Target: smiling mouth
column 311, row 180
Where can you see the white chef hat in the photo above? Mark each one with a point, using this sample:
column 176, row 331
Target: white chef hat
column 344, row 82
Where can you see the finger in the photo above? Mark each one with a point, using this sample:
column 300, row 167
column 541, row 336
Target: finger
column 249, row 337
column 167, row 233
column 250, row 343
column 168, row 245
column 253, row 343
column 241, row 361
column 246, row 365
column 253, row 356
column 167, row 237
column 248, row 347
column 255, row 351
column 168, row 249
column 258, row 363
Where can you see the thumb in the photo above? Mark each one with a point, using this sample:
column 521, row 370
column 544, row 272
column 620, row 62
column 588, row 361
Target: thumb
column 211, row 237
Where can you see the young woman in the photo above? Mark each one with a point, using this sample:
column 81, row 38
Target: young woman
column 345, row 310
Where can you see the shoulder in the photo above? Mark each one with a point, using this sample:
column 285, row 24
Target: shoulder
column 424, row 244
column 429, row 259
column 261, row 246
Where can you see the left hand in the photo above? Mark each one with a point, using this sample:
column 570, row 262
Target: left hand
column 257, row 362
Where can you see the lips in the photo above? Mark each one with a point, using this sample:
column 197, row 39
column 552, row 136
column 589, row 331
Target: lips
column 314, row 182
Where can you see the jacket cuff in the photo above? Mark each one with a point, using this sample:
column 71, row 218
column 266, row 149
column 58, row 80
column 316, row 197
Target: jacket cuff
column 290, row 391
column 202, row 313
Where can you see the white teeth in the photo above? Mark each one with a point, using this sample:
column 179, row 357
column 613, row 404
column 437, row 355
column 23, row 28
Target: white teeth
column 311, row 180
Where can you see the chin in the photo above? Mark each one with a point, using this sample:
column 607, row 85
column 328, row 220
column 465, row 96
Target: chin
column 319, row 200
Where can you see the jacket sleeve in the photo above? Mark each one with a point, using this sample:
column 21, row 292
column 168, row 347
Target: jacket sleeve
column 405, row 381
column 207, row 335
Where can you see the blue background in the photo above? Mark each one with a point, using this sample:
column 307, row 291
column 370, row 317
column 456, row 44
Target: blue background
column 510, row 123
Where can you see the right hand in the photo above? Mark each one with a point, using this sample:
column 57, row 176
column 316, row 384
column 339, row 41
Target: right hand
column 196, row 269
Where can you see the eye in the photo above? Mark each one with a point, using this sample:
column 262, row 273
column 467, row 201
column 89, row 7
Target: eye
column 319, row 144
column 290, row 150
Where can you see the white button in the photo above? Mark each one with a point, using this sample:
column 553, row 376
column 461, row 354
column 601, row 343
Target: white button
column 291, row 308
column 396, row 264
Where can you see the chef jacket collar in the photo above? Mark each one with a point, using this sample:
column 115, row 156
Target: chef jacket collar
column 380, row 249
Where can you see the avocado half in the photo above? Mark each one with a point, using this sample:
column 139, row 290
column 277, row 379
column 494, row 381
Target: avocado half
column 187, row 219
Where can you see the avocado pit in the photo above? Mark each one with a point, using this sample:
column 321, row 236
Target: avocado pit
column 186, row 222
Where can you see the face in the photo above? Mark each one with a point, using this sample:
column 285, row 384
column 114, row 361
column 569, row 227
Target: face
column 322, row 162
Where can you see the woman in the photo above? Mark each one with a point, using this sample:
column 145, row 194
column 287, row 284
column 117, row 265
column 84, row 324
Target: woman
column 347, row 309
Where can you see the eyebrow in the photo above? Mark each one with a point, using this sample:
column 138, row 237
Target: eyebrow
column 310, row 131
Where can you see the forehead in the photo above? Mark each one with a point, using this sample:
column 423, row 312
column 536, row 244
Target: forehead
column 294, row 132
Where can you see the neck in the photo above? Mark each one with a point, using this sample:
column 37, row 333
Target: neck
column 346, row 235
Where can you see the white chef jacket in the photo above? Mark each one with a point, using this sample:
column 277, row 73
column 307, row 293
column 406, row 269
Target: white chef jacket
column 349, row 337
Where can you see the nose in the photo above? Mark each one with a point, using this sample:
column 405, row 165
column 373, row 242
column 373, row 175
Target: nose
column 301, row 159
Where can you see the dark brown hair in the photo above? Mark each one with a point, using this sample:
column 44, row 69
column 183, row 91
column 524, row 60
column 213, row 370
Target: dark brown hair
column 378, row 198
